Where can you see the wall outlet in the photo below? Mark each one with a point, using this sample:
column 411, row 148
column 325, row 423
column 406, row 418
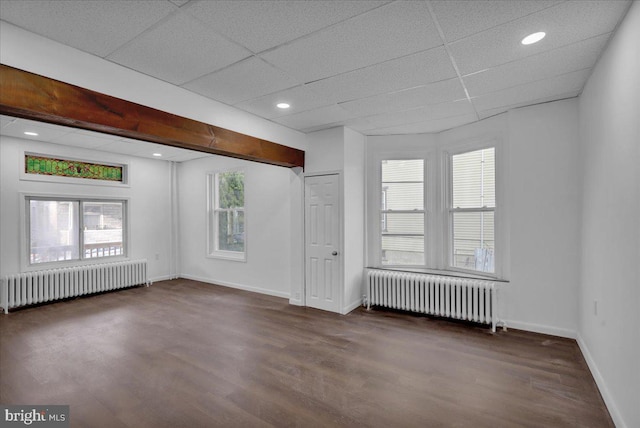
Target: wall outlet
column 157, row 256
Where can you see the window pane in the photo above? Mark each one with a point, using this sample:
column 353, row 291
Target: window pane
column 402, row 250
column 473, row 176
column 53, row 231
column 231, row 189
column 473, row 241
column 403, row 196
column 231, row 230
column 103, row 229
column 402, row 190
column 403, row 223
column 403, row 170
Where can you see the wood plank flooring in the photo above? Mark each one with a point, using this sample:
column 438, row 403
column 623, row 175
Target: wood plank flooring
column 187, row 354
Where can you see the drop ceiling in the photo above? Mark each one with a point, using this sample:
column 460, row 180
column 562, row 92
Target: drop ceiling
column 14, row 127
column 377, row 67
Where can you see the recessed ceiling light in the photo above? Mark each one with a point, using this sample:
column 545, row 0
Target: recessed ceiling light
column 33, row 134
column 157, row 155
column 533, row 38
column 283, row 105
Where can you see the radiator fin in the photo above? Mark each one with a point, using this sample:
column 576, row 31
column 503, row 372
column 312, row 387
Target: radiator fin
column 452, row 297
column 54, row 284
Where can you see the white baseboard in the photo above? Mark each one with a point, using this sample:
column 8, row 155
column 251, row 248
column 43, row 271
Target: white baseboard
column 604, row 391
column 351, row 307
column 295, row 302
column 539, row 328
column 237, row 286
column 162, row 278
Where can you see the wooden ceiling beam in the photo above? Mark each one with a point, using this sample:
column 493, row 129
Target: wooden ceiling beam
column 31, row 96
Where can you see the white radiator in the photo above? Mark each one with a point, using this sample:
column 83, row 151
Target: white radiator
column 53, row 284
column 460, row 298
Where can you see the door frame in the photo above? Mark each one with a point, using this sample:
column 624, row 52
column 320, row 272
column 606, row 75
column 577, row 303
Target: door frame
column 339, row 176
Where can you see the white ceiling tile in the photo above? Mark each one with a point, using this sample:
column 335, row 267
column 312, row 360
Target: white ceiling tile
column 260, row 25
column 428, row 126
column 493, row 112
column 187, row 155
column 245, row 80
column 434, row 93
column 300, row 98
column 146, row 148
column 577, row 56
column 178, row 50
column 179, row 2
column 45, row 132
column 6, row 120
column 402, row 73
column 85, row 139
column 98, row 27
column 437, row 111
column 498, row 110
column 314, row 118
column 501, row 44
column 388, row 32
column 459, row 19
column 548, row 89
column 124, row 146
column 73, row 137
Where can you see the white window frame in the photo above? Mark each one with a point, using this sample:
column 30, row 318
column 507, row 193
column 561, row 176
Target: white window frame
column 374, row 206
column 423, row 211
column 437, row 196
column 448, row 210
column 25, row 238
column 212, row 223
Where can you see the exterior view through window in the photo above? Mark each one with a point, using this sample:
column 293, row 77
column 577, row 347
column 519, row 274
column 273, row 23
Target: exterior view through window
column 57, row 231
column 229, row 212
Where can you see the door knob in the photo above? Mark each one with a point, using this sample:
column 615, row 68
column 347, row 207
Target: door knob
column 335, row 253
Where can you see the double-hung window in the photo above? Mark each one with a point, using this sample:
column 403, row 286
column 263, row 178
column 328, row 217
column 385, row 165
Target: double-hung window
column 449, row 224
column 402, row 213
column 227, row 237
column 67, row 229
column 472, row 209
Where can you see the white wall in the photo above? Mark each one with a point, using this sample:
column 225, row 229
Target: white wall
column 354, row 219
column 149, row 205
column 544, row 204
column 542, row 212
column 267, row 222
column 325, row 151
column 610, row 271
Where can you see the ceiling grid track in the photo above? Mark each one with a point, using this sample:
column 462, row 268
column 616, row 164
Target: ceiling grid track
column 453, row 61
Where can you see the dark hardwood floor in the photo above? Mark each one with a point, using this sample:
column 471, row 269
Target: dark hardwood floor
column 187, row 354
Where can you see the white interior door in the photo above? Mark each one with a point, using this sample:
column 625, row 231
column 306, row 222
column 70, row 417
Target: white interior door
column 322, row 242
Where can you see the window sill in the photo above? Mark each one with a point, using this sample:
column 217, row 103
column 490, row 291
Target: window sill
column 228, row 255
column 73, row 263
column 441, row 272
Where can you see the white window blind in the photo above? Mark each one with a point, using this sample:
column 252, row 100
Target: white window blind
column 402, row 212
column 472, row 210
